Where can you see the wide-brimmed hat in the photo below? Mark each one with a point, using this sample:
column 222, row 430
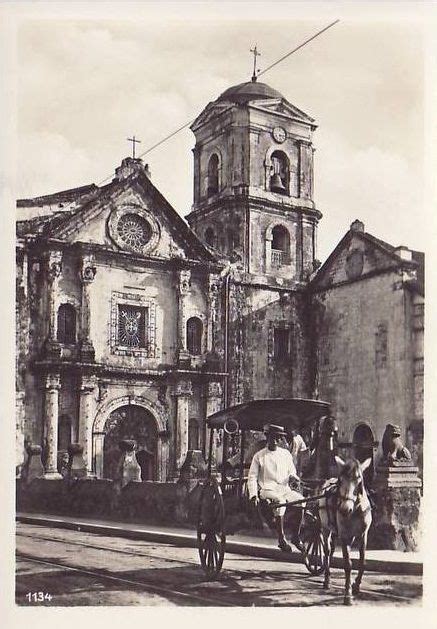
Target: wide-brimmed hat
column 273, row 429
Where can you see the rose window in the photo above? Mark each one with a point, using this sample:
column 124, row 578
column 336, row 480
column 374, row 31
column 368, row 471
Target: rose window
column 134, row 231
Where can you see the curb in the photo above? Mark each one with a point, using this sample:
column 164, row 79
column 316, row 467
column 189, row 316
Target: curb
column 239, row 548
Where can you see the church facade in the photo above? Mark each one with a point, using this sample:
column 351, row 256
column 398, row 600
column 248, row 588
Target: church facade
column 132, row 323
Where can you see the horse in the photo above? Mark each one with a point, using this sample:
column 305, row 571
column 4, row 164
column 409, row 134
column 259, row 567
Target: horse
column 345, row 511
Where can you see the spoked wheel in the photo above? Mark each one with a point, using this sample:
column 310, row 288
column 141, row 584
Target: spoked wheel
column 211, row 537
column 311, row 539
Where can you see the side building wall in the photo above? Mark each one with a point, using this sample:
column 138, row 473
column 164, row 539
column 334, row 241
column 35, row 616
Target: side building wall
column 365, row 354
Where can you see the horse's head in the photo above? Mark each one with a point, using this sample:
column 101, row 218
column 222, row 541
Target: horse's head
column 350, row 483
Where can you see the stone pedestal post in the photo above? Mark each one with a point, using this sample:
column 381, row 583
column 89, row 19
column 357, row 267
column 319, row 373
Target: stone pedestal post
column 87, row 274
column 51, row 412
column 87, row 407
column 33, row 467
column 76, row 465
column 397, row 507
column 53, row 270
column 128, row 468
column 184, row 288
column 182, row 392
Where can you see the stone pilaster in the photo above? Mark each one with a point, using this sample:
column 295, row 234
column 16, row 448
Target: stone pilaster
column 213, row 296
column 87, row 411
column 51, row 411
column 184, row 289
column 53, row 270
column 87, row 274
column 182, row 392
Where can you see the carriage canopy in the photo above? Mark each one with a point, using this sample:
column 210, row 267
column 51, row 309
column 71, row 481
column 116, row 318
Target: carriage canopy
column 292, row 413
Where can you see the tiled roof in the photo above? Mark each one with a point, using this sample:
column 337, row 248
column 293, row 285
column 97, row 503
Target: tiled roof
column 64, row 196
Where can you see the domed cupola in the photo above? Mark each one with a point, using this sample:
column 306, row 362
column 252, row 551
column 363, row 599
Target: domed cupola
column 251, row 90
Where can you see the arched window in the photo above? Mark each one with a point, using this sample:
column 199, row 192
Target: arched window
column 280, row 246
column 210, row 237
column 193, row 434
column 213, row 175
column 64, row 432
column 279, row 178
column 194, row 335
column 66, row 324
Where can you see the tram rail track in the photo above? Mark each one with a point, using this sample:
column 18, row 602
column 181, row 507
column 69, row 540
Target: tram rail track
column 151, row 587
column 210, row 600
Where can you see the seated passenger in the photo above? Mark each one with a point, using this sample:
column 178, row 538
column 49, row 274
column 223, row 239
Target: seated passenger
column 270, row 472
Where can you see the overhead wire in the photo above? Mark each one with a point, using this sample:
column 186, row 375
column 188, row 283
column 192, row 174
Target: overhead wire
column 260, row 73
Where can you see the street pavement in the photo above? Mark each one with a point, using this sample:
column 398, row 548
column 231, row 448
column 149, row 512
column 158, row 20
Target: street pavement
column 385, row 561
column 77, row 568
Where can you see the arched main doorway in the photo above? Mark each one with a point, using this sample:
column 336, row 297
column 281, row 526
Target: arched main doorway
column 364, row 443
column 131, row 422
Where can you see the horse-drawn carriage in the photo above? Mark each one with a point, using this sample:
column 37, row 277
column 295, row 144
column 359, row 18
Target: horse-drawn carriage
column 224, row 494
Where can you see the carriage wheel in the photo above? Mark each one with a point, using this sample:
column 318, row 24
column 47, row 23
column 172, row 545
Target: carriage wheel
column 311, row 538
column 211, row 537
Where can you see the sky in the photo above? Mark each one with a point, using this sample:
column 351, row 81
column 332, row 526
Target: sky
column 85, row 85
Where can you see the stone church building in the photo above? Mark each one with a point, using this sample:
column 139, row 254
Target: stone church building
column 133, row 323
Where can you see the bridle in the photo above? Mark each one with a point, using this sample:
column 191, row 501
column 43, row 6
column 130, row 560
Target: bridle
column 350, row 497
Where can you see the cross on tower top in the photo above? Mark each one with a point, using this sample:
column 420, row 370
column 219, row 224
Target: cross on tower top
column 255, row 55
column 134, row 141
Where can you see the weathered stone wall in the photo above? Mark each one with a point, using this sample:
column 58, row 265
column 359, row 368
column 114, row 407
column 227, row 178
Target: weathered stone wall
column 364, row 355
column 255, row 373
column 155, row 503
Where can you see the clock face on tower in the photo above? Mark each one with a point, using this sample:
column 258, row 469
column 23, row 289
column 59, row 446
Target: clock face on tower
column 279, row 134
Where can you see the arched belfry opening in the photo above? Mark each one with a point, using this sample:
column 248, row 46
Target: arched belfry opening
column 280, row 175
column 280, row 246
column 213, row 175
column 131, row 422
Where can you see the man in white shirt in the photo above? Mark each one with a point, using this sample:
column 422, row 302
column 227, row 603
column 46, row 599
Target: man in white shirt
column 270, row 472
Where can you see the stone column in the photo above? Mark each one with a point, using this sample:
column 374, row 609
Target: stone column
column 53, row 269
column 87, row 274
column 182, row 392
column 184, row 289
column 51, row 411
column 19, row 431
column 87, row 408
column 213, row 294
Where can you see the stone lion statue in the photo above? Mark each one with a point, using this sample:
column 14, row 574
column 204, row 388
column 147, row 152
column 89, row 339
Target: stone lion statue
column 392, row 447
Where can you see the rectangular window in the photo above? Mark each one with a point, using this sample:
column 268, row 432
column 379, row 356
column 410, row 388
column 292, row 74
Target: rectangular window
column 132, row 326
column 281, row 344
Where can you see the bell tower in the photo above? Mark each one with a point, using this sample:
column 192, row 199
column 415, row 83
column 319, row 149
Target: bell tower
column 253, row 182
